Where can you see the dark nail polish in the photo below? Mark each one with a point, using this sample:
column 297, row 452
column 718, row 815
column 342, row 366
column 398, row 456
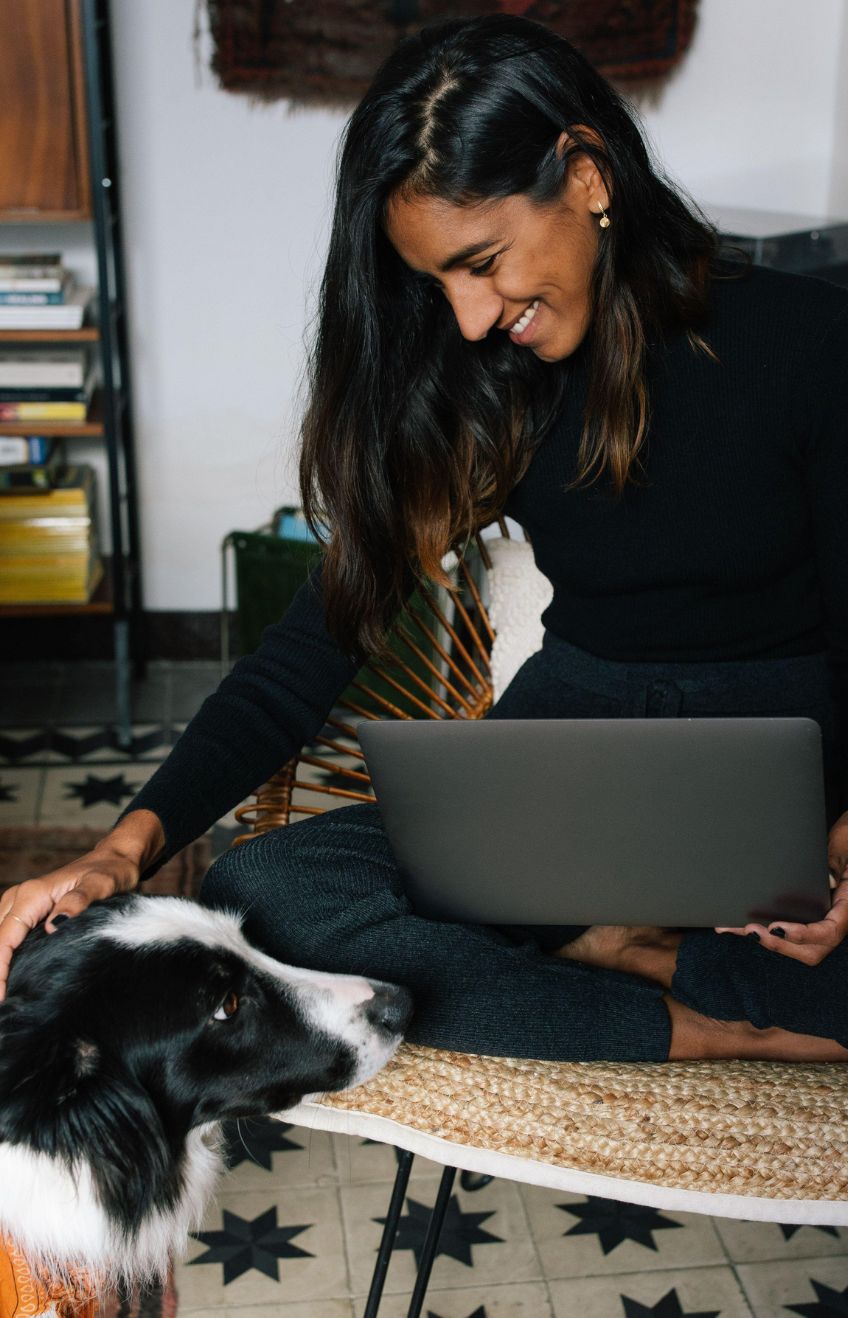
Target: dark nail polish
column 754, row 934
column 778, row 933
column 57, row 918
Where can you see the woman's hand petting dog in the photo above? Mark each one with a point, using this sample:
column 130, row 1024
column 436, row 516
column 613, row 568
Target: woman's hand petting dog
column 810, row 943
column 65, row 892
column 113, row 866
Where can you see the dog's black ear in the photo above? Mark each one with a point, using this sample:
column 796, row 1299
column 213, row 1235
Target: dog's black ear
column 60, row 1096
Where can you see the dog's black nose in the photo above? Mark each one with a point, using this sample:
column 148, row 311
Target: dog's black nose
column 389, row 1009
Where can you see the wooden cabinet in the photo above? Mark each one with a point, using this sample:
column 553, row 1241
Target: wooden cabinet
column 43, row 136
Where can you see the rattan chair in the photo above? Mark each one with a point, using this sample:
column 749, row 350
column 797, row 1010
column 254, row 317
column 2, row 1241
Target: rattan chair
column 754, row 1140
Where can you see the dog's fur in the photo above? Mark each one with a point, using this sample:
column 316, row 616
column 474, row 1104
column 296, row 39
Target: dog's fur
column 126, row 1037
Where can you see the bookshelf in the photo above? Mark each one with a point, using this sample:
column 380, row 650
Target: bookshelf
column 64, row 49
column 88, row 334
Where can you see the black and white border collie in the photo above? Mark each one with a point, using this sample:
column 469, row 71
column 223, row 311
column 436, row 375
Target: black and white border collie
column 126, row 1038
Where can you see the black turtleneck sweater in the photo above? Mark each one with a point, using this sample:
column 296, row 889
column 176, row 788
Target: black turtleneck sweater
column 732, row 546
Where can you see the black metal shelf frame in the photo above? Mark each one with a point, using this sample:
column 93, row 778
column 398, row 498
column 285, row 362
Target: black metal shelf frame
column 118, row 432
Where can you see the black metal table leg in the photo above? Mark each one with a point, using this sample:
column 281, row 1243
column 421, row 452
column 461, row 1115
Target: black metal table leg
column 387, row 1243
column 431, row 1242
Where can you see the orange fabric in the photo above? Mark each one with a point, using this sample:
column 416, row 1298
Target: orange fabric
column 24, row 1295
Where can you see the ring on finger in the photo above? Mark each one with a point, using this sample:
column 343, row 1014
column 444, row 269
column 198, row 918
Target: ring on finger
column 20, row 921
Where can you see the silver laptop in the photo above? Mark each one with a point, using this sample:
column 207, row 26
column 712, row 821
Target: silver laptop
column 678, row 822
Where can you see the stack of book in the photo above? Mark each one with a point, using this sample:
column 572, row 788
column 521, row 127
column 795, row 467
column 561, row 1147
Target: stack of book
column 45, row 384
column 37, row 292
column 48, row 542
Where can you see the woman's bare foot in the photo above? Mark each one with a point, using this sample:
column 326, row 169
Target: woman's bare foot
column 695, row 1037
column 651, row 952
column 645, row 950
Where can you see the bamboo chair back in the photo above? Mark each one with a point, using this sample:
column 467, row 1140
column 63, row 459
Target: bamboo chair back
column 440, row 669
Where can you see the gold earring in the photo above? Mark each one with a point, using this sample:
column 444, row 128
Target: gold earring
column 605, row 220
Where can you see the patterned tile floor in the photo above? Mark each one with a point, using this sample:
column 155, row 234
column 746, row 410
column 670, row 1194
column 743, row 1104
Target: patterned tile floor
column 294, row 1230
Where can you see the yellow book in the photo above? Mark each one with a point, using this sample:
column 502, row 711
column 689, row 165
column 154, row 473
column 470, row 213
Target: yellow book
column 51, row 588
column 74, row 491
column 70, row 560
column 49, row 533
column 43, row 411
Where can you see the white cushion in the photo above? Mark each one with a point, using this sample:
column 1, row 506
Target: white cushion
column 518, row 596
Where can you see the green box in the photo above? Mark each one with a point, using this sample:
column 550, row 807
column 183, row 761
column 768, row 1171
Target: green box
column 269, row 572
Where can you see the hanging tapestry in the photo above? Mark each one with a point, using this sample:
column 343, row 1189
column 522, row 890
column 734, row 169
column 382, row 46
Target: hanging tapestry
column 327, row 51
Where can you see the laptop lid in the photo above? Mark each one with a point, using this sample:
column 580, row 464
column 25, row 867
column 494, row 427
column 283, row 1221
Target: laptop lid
column 676, row 822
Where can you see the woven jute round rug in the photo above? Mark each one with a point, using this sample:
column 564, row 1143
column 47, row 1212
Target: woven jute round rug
column 752, row 1129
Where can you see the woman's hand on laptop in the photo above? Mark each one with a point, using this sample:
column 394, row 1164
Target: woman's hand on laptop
column 811, row 943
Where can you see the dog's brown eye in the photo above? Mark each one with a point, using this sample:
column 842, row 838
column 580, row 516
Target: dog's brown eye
column 228, row 1008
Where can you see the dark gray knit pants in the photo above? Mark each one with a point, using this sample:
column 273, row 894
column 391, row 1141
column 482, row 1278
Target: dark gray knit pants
column 327, row 894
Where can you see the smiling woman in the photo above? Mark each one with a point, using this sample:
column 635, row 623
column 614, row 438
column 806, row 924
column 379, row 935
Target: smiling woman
column 494, row 193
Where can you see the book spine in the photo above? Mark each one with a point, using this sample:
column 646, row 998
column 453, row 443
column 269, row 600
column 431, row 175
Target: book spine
column 21, row 299
column 41, row 376
column 13, row 448
column 57, row 394
column 35, row 318
column 54, row 394
column 27, row 262
column 43, row 411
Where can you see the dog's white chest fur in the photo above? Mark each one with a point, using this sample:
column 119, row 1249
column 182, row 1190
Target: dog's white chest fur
column 53, row 1213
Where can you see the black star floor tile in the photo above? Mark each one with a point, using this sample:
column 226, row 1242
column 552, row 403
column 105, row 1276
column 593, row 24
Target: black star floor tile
column 91, row 794
column 485, row 1238
column 97, row 788
column 579, row 1236
column 20, row 794
column 613, row 1222
column 789, row 1231
column 277, row 1160
column 479, row 1312
column 685, row 1293
column 25, row 746
column 754, row 1242
column 258, row 1244
column 149, row 741
column 256, row 1140
column 277, row 1247
column 828, row 1302
column 459, row 1232
column 812, row 1287
column 84, row 743
column 667, row 1307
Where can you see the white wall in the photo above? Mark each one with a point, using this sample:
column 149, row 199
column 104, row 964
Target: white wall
column 838, row 200
column 749, row 118
column 226, row 212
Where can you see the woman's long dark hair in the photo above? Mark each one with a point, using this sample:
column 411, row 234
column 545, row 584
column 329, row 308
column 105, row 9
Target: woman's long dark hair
column 414, row 437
